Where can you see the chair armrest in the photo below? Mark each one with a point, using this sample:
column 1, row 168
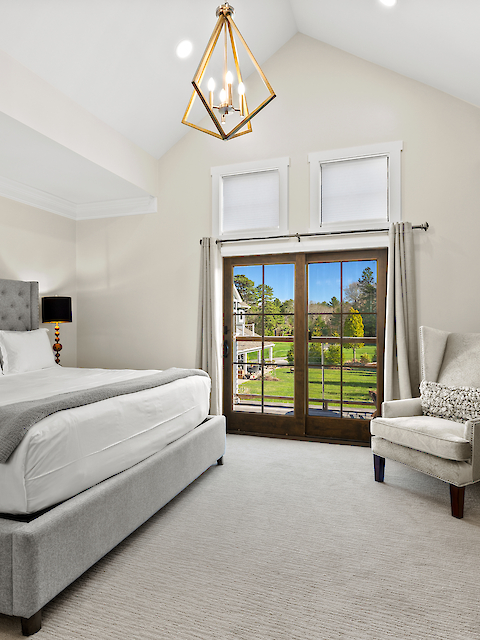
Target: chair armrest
column 402, row 408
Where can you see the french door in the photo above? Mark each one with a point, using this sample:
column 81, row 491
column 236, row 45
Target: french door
column 303, row 344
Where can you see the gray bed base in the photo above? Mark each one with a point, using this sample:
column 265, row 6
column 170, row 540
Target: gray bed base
column 38, row 559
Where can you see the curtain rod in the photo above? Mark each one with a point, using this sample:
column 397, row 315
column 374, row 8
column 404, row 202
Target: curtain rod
column 298, row 236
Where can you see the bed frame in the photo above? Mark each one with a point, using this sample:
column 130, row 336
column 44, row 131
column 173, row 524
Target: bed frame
column 43, row 554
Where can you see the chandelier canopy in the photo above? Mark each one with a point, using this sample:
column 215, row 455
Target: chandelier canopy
column 229, row 110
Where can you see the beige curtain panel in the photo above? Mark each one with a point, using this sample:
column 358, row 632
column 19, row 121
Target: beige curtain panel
column 402, row 377
column 209, row 337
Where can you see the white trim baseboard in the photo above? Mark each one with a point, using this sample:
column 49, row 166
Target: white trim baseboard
column 48, row 202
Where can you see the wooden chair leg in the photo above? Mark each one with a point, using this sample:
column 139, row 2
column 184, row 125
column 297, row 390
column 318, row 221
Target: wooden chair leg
column 220, row 460
column 379, row 467
column 457, row 500
column 32, row 625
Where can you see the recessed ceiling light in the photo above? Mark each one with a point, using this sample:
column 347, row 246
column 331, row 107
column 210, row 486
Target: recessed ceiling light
column 389, row 3
column 184, row 49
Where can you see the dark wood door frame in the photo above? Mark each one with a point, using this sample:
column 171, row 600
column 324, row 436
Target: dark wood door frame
column 301, row 425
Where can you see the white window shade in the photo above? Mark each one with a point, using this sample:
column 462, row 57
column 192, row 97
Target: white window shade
column 354, row 190
column 251, row 201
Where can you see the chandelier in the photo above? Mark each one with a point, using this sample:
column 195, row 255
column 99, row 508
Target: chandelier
column 229, row 109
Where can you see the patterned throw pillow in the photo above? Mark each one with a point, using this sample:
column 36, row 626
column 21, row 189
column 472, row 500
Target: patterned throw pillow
column 450, row 403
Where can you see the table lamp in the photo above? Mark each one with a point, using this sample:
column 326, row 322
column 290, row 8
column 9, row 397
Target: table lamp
column 57, row 309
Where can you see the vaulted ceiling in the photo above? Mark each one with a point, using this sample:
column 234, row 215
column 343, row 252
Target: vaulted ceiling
column 116, row 58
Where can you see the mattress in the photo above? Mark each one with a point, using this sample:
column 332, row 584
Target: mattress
column 72, row 450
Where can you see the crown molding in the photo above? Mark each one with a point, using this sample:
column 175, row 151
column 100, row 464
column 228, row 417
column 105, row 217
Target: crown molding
column 48, row 202
column 113, row 208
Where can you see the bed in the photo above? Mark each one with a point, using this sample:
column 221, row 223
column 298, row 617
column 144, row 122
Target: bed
column 82, row 479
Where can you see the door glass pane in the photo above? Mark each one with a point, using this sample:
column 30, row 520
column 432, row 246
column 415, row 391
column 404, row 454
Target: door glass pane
column 263, row 300
column 324, row 390
column 324, row 324
column 359, row 392
column 247, row 282
column 247, row 392
column 359, row 280
column 324, row 287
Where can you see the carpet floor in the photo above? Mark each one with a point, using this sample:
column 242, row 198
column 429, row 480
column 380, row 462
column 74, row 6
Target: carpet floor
column 288, row 540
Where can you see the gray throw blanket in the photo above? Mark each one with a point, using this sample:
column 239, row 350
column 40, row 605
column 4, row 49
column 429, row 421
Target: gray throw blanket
column 16, row 419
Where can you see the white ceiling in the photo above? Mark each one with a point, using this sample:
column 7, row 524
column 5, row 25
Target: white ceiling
column 116, row 58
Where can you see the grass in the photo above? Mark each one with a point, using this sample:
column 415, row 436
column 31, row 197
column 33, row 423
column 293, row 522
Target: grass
column 356, row 384
column 281, row 349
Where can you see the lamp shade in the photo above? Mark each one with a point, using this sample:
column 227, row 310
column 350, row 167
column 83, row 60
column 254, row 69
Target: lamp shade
column 56, row 309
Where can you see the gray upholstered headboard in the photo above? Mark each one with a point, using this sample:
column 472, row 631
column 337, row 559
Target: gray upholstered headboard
column 18, row 305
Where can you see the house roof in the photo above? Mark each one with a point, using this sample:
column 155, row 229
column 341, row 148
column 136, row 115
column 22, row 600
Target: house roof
column 245, row 346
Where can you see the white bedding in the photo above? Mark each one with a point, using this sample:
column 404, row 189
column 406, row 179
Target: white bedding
column 72, row 450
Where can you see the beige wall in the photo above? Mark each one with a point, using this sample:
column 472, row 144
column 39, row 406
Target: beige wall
column 138, row 277
column 37, row 245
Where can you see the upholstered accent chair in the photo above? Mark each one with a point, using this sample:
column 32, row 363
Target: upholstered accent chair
column 426, row 437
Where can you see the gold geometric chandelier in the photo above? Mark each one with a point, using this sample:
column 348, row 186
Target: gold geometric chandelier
column 231, row 110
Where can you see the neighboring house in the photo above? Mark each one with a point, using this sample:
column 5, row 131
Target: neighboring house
column 243, row 347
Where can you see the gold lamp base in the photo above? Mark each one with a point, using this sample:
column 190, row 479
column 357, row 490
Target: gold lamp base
column 57, row 347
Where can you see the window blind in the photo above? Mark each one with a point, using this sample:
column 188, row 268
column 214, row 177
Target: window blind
column 251, row 201
column 354, row 189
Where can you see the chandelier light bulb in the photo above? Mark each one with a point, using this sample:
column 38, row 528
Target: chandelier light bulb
column 229, row 77
column 223, row 96
column 211, row 84
column 241, row 93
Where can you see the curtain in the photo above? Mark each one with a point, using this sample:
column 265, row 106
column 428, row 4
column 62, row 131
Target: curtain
column 209, row 337
column 401, row 330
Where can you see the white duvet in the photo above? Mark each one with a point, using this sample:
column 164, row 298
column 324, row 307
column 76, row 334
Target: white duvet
column 72, row 450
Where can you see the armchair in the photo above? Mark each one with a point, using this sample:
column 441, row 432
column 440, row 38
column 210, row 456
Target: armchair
column 445, row 443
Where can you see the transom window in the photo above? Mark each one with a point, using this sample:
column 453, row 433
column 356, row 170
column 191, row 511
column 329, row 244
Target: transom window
column 356, row 188
column 250, row 199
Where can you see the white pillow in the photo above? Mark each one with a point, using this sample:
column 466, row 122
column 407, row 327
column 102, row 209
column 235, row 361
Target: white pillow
column 24, row 351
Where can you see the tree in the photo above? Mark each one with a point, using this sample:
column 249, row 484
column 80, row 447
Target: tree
column 287, row 307
column 353, row 327
column 352, row 294
column 319, row 327
column 290, row 356
column 332, row 354
column 333, row 317
column 368, row 291
column 246, row 289
column 368, row 301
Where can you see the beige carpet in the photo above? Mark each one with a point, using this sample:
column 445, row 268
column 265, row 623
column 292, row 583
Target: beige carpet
column 288, row 540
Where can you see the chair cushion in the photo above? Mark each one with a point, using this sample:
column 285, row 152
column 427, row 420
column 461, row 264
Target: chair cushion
column 442, row 438
column 461, row 361
column 449, row 402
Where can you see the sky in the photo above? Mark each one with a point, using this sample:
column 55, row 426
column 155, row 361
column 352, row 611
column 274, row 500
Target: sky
column 323, row 278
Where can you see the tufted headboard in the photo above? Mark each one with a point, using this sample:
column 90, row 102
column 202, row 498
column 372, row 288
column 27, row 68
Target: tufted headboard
column 18, row 305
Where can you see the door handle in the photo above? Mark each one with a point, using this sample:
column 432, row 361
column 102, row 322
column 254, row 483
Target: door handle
column 226, row 349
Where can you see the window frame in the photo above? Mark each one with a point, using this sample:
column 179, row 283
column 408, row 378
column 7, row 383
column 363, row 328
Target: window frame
column 218, row 173
column 392, row 150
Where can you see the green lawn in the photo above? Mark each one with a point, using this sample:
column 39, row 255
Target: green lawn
column 281, row 349
column 356, row 384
